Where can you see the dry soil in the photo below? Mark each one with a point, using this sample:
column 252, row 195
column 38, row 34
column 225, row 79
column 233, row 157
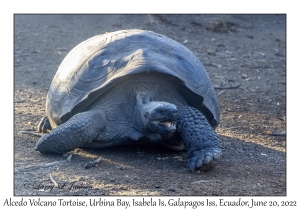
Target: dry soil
column 245, row 56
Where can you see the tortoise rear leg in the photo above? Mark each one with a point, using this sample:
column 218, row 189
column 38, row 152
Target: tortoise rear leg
column 44, row 125
column 200, row 140
column 80, row 129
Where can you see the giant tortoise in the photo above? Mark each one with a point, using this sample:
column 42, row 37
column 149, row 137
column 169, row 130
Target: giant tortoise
column 130, row 87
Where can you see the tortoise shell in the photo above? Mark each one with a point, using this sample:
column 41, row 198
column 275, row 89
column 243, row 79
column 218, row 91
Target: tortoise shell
column 98, row 63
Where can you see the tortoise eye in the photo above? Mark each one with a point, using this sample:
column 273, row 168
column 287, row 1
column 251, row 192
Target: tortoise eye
column 160, row 111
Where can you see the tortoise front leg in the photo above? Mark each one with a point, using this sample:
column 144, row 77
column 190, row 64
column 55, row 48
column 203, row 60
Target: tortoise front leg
column 202, row 143
column 80, row 129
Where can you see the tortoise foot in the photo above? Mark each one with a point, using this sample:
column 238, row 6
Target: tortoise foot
column 204, row 159
column 44, row 125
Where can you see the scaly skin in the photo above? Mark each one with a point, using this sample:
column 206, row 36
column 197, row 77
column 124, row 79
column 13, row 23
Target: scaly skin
column 80, row 129
column 201, row 142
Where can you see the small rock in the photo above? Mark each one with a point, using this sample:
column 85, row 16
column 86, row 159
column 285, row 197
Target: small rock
column 211, row 52
column 244, row 76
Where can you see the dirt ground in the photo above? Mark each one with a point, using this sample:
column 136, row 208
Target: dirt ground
column 244, row 52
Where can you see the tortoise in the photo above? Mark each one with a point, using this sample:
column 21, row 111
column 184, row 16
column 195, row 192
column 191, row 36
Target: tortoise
column 131, row 87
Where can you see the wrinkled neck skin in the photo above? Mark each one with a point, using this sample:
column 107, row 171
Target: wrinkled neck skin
column 141, row 107
column 152, row 117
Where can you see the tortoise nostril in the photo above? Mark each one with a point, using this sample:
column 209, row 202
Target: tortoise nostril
column 174, row 112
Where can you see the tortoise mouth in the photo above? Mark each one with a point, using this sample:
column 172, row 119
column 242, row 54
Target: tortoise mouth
column 166, row 128
column 171, row 124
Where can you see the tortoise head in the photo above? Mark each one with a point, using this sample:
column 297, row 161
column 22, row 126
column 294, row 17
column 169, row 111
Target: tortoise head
column 158, row 117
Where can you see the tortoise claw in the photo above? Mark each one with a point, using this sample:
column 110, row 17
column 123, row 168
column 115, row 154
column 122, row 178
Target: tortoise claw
column 204, row 160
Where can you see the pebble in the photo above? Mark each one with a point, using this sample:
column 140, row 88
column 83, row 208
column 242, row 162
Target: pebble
column 244, row 76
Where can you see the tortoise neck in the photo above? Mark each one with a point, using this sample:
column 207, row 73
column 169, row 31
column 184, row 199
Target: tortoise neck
column 139, row 122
